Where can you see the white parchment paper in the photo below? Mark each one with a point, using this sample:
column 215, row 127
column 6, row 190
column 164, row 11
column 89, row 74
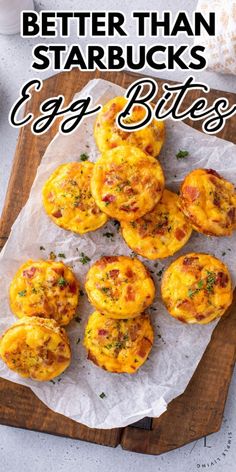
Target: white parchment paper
column 177, row 348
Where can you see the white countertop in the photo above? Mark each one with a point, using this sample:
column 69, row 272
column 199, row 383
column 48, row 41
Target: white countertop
column 26, row 450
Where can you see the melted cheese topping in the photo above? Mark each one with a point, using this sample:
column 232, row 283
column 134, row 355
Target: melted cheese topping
column 47, row 289
column 159, row 233
column 126, row 183
column 197, row 288
column 120, row 346
column 36, row 348
column 108, row 135
column 119, row 287
column 68, row 200
column 209, row 202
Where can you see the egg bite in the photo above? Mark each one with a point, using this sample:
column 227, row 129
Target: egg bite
column 197, row 288
column 68, row 201
column 119, row 286
column 48, row 289
column 209, row 202
column 108, row 135
column 159, row 233
column 36, row 348
column 119, row 346
column 127, row 183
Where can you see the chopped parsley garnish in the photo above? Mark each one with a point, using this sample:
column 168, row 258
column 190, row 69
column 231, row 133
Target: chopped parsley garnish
column 52, row 256
column 22, row 293
column 81, row 293
column 62, row 282
column 107, row 203
column 102, row 395
column 182, row 154
column 211, row 278
column 84, row 259
column 61, row 255
column 42, row 248
column 34, row 290
column 105, row 289
column 108, row 235
column 84, row 156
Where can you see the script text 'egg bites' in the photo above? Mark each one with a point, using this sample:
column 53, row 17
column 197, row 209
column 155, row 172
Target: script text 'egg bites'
column 119, row 286
column 48, row 289
column 108, row 135
column 159, row 233
column 68, row 200
column 209, row 202
column 36, row 348
column 119, row 346
column 127, row 183
column 197, row 288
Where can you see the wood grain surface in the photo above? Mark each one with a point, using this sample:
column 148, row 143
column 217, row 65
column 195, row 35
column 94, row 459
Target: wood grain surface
column 195, row 413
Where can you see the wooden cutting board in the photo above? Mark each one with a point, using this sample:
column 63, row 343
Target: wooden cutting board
column 195, row 413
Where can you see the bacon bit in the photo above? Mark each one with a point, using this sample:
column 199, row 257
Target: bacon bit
column 181, row 319
column 95, row 210
column 216, row 200
column 186, row 305
column 102, row 332
column 128, row 190
column 189, row 260
column 59, row 270
column 129, row 273
column 162, row 230
column 232, row 214
column 72, row 287
column 92, row 358
column 179, row 234
column 133, row 332
column 113, row 145
column 106, row 260
column 213, row 172
column 191, row 192
column 29, row 273
column 222, row 279
column 57, row 214
column 61, row 346
column 108, row 198
column 148, row 149
column 129, row 208
column 114, row 273
column 50, row 358
column 62, row 358
column 145, row 345
column 199, row 317
column 110, row 113
column 130, row 294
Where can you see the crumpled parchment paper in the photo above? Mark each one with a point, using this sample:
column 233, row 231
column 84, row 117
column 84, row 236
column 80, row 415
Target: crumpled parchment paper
column 178, row 348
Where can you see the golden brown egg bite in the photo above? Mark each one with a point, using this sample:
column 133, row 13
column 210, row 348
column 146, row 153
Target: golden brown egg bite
column 36, row 348
column 159, row 233
column 197, row 288
column 119, row 286
column 127, row 183
column 44, row 288
column 108, row 135
column 68, row 200
column 119, row 346
column 209, row 202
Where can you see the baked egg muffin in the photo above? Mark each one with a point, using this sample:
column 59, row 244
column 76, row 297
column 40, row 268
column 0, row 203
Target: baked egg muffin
column 119, row 346
column 48, row 289
column 209, row 202
column 68, row 201
column 197, row 288
column 108, row 135
column 127, row 183
column 159, row 233
column 36, row 348
column 119, row 286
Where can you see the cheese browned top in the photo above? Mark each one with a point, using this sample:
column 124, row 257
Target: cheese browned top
column 108, row 135
column 127, row 183
column 197, row 288
column 48, row 289
column 209, row 202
